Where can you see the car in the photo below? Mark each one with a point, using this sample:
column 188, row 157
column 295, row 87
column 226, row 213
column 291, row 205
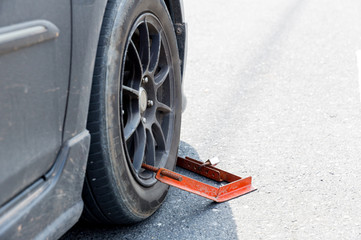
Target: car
column 89, row 91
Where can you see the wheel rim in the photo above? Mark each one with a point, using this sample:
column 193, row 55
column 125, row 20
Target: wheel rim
column 147, row 105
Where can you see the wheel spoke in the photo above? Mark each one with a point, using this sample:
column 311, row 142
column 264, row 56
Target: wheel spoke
column 163, row 108
column 140, row 143
column 155, row 51
column 150, row 156
column 130, row 92
column 158, row 135
column 132, row 125
column 161, row 76
column 144, row 45
column 134, row 55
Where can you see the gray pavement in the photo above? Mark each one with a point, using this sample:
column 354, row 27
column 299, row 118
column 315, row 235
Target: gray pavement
column 272, row 90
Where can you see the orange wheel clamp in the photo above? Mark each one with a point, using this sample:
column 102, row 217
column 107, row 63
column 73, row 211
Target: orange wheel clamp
column 236, row 186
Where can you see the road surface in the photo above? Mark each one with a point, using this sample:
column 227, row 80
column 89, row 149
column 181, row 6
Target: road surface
column 273, row 91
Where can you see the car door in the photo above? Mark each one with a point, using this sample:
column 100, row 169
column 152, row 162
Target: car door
column 35, row 44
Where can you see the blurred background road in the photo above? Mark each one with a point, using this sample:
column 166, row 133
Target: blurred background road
column 272, row 90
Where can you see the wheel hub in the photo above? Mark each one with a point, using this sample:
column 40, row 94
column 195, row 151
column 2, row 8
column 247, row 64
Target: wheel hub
column 143, row 100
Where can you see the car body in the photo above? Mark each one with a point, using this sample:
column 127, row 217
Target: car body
column 47, row 54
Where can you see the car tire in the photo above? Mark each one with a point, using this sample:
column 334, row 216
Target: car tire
column 134, row 114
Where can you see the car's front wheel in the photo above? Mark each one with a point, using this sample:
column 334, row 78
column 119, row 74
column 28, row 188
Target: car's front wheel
column 135, row 112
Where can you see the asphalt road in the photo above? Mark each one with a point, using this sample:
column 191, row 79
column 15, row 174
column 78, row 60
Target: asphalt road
column 273, row 90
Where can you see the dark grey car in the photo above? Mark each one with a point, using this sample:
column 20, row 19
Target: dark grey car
column 89, row 90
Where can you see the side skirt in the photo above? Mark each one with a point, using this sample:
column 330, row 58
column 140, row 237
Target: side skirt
column 53, row 204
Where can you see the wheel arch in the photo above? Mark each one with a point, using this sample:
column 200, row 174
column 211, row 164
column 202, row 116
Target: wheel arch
column 84, row 41
column 176, row 11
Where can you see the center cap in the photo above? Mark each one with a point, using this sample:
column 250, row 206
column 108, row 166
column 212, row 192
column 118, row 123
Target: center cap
column 143, row 99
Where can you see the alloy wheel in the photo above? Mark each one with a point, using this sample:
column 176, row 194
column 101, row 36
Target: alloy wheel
column 147, row 98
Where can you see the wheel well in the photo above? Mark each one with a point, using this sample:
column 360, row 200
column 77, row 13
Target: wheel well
column 175, row 10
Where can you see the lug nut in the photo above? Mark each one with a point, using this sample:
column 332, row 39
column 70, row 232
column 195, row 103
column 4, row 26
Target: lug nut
column 145, row 80
column 144, row 120
column 150, row 103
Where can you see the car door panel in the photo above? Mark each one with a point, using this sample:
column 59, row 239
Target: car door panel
column 35, row 39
